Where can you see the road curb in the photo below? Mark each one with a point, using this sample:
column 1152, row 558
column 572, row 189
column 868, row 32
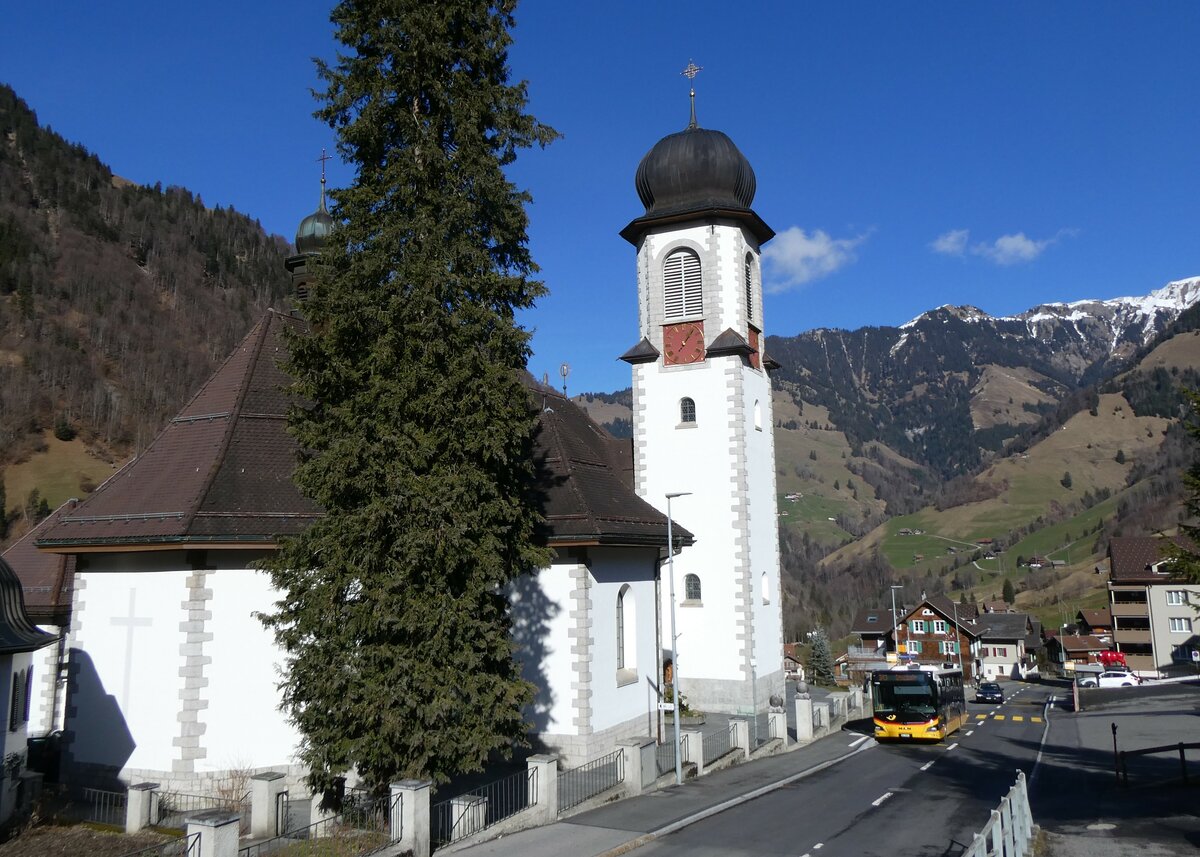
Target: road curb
column 638, row 842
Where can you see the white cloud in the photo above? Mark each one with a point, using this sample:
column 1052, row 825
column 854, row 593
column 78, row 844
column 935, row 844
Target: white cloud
column 1012, row 249
column 952, row 243
column 796, row 257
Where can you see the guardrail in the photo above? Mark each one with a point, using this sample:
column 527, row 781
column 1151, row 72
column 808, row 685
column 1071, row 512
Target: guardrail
column 590, row 779
column 717, row 744
column 1009, row 832
column 480, row 808
column 1181, row 749
column 104, row 807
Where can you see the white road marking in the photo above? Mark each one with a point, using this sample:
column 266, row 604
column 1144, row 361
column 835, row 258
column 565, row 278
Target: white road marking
column 970, row 732
column 818, row 846
column 881, row 799
column 952, row 746
column 1045, row 734
column 858, row 741
column 927, row 766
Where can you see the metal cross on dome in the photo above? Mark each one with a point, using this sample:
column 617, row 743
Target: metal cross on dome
column 690, row 72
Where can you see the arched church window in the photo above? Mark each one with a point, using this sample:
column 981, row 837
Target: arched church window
column 758, row 416
column 749, row 276
column 687, row 410
column 683, row 293
column 766, row 588
column 626, row 629
column 691, row 587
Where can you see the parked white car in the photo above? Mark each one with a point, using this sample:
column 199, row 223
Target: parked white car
column 1110, row 678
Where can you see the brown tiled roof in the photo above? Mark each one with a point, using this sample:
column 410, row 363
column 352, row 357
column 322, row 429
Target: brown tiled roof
column 220, row 472
column 1004, row 626
column 950, row 609
column 874, row 621
column 46, row 578
column 1082, row 643
column 1131, row 558
column 1096, row 618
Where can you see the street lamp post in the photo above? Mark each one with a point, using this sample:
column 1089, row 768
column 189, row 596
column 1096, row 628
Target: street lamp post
column 674, row 636
column 895, row 622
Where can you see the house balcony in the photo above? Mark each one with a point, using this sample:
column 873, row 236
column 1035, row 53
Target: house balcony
column 866, row 653
column 1136, row 608
column 1131, row 635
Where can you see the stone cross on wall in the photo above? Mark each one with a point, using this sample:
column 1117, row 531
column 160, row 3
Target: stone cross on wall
column 129, row 623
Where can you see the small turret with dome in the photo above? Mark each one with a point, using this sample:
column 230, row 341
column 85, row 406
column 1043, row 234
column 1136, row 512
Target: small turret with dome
column 311, row 238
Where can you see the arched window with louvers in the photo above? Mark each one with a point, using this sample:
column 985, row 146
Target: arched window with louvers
column 683, row 286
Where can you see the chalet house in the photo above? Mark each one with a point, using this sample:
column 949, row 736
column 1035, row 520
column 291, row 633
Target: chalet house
column 937, row 631
column 1153, row 613
column 20, row 640
column 1002, row 645
column 873, row 628
column 1067, row 650
column 1098, row 623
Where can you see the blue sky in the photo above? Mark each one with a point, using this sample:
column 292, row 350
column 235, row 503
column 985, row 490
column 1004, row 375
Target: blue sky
column 908, row 154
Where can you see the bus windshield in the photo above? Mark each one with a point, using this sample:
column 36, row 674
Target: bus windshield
column 907, row 699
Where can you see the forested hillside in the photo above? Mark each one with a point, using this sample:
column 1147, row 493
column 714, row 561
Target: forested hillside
column 116, row 300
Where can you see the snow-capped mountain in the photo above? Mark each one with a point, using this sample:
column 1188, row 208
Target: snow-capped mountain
column 956, row 379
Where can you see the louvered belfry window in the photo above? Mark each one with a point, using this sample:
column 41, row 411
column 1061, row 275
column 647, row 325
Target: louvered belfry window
column 749, row 288
column 683, row 293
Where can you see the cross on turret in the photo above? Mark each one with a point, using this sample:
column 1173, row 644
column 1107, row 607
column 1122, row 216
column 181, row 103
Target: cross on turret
column 690, row 73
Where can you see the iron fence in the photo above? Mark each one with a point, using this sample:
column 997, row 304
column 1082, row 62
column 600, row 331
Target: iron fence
column 818, row 716
column 171, row 809
column 772, row 728
column 184, row 846
column 366, row 825
column 477, row 810
column 590, row 779
column 664, row 757
column 104, row 807
column 717, row 744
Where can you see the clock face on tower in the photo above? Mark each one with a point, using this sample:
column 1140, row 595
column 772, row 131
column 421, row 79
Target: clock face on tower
column 683, row 343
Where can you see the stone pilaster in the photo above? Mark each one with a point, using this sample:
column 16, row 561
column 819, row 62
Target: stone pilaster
column 580, row 632
column 191, row 696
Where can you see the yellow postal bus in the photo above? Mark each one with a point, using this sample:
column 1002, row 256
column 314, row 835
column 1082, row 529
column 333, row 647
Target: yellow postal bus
column 917, row 702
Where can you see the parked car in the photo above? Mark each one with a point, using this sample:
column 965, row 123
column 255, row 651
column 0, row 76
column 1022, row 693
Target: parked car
column 1110, row 678
column 989, row 691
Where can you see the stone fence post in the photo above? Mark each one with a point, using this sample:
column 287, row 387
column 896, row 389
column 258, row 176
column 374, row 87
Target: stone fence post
column 804, row 718
column 544, row 803
column 265, row 789
column 137, row 806
column 218, row 829
column 410, row 830
column 777, row 725
column 693, row 743
column 641, row 768
column 318, row 814
column 741, row 734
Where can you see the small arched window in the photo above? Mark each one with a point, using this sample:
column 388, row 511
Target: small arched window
column 683, row 287
column 766, row 588
column 749, row 276
column 626, row 629
column 687, row 410
column 758, row 415
column 691, row 587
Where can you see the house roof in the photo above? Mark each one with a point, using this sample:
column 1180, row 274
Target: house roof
column 1003, row 626
column 17, row 631
column 220, row 473
column 1082, row 643
column 1132, row 558
column 950, row 609
column 1096, row 618
column 871, row 621
column 46, row 578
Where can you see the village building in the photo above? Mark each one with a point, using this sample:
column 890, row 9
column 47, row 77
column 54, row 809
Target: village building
column 170, row 675
column 1005, row 645
column 938, row 632
column 1096, row 622
column 1153, row 611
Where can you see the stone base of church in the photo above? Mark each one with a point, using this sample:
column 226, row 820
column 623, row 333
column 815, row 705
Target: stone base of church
column 731, row 696
column 232, row 782
column 574, row 750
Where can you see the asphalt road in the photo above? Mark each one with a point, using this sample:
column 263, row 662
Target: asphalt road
column 891, row 800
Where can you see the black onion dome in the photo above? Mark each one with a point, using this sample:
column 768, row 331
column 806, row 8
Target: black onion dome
column 314, row 230
column 692, row 170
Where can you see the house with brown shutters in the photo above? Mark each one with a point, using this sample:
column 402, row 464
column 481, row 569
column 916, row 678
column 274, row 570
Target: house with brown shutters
column 938, row 632
column 172, row 677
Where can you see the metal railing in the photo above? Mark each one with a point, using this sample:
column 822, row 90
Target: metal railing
column 104, row 807
column 590, row 779
column 818, row 716
column 717, row 744
column 664, row 757
column 1009, row 831
column 184, row 846
column 772, row 728
column 477, row 810
column 171, row 809
column 366, row 825
column 1125, row 755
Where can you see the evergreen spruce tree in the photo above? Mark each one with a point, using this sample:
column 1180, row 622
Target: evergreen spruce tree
column 418, row 439
column 820, row 658
column 1008, row 593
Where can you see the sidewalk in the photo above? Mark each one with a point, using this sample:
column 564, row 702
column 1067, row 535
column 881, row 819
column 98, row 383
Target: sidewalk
column 625, row 824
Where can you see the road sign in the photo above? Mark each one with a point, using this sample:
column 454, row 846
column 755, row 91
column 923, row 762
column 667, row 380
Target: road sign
column 1196, row 654
column 666, row 706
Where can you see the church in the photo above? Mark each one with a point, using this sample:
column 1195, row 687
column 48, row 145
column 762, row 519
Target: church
column 171, row 677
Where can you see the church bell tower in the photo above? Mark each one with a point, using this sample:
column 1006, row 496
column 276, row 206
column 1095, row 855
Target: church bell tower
column 702, row 414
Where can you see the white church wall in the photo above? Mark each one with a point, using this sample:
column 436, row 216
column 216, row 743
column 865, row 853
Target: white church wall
column 44, row 706
column 239, row 684
column 125, row 661
column 541, row 632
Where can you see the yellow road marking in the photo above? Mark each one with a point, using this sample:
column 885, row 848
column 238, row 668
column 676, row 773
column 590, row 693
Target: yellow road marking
column 1035, row 720
column 1018, row 717
column 998, row 716
column 981, row 717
